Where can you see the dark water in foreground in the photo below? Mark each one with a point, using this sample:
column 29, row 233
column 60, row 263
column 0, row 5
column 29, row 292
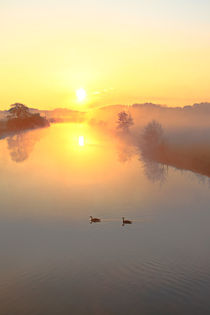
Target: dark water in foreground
column 54, row 262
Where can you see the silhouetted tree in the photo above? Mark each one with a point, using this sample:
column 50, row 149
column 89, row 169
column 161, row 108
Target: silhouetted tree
column 125, row 121
column 20, row 118
column 152, row 147
column 152, row 138
column 19, row 110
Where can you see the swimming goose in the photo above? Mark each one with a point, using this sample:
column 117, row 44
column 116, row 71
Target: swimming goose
column 95, row 220
column 126, row 221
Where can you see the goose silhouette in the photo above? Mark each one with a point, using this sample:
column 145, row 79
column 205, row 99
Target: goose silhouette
column 126, row 221
column 94, row 220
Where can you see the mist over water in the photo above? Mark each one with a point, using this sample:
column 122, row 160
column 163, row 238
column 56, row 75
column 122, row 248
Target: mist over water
column 55, row 262
column 105, row 189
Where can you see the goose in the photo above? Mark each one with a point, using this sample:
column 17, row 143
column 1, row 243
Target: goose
column 126, row 221
column 95, row 220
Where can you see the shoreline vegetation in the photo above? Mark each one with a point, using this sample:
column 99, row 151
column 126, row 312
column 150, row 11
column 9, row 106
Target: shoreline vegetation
column 185, row 151
column 147, row 129
column 160, row 146
column 19, row 118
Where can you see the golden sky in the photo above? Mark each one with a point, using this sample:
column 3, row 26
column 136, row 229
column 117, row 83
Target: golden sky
column 120, row 52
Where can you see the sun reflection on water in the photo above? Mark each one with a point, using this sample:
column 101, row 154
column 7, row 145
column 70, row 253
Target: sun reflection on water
column 81, row 141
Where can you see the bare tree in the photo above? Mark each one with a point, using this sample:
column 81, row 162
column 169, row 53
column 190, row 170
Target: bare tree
column 125, row 121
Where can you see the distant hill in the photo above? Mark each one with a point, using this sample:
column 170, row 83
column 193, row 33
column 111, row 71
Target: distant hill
column 195, row 115
column 56, row 115
column 190, row 115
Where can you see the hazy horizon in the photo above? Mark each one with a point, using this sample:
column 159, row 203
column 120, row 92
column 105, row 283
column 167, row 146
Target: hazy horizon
column 81, row 108
column 119, row 52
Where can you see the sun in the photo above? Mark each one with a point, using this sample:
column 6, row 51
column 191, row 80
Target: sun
column 81, row 95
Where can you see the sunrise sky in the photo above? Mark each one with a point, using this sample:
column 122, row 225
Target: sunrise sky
column 118, row 51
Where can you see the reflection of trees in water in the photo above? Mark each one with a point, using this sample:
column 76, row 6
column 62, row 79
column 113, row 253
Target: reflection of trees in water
column 125, row 153
column 202, row 179
column 21, row 145
column 158, row 152
column 150, row 144
column 154, row 171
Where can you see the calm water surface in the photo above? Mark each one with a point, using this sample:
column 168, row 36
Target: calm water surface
column 53, row 261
